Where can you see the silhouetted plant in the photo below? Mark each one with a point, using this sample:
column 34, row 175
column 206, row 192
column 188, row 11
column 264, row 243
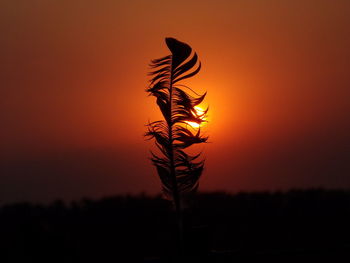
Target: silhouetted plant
column 178, row 171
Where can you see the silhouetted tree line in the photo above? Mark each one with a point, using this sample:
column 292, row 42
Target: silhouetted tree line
column 297, row 226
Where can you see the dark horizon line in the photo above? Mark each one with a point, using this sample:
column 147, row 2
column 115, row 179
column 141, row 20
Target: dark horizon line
column 149, row 196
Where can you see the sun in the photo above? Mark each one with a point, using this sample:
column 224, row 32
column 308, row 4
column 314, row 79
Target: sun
column 201, row 114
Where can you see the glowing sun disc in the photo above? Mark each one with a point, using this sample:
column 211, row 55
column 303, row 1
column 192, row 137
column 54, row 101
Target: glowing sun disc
column 199, row 112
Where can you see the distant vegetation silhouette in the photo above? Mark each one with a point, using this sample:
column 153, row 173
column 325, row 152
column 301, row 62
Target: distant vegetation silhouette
column 298, row 226
column 179, row 172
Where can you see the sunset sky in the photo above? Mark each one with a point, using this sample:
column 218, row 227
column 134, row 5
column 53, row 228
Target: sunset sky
column 73, row 104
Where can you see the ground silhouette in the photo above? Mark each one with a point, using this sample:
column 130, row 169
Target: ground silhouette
column 296, row 226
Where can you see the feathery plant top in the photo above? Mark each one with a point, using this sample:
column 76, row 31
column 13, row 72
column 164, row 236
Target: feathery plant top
column 179, row 172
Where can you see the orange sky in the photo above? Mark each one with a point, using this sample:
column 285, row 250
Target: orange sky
column 73, row 106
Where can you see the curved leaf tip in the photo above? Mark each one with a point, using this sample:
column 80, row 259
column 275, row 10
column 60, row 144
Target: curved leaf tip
column 180, row 50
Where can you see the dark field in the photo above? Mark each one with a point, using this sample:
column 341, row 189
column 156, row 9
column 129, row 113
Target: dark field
column 297, row 226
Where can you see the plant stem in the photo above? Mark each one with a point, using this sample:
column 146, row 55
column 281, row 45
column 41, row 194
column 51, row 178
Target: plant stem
column 176, row 196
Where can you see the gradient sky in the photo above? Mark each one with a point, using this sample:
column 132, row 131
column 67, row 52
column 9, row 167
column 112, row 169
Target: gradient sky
column 73, row 106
